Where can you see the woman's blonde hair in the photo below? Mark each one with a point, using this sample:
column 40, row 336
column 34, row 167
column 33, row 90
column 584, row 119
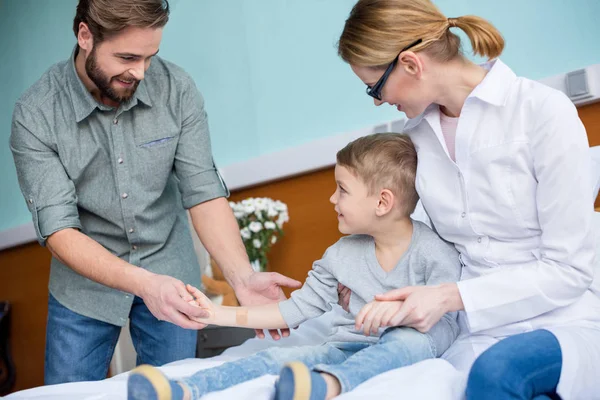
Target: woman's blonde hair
column 377, row 30
column 384, row 161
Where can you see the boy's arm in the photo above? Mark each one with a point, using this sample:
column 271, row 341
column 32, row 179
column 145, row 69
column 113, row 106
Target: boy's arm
column 315, row 297
column 443, row 268
column 310, row 301
column 265, row 316
column 442, row 264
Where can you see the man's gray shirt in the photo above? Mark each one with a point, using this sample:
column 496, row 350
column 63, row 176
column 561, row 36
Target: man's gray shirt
column 124, row 176
column 352, row 261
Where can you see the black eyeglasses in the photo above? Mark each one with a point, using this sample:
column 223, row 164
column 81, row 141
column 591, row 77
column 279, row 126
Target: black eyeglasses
column 375, row 90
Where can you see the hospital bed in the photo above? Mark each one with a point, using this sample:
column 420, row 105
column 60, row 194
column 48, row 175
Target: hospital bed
column 415, row 382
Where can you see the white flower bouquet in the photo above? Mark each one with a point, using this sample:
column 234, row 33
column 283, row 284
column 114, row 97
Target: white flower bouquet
column 260, row 220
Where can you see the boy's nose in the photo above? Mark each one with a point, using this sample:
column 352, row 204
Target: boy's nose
column 377, row 102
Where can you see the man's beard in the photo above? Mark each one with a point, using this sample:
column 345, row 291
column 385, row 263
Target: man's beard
column 102, row 82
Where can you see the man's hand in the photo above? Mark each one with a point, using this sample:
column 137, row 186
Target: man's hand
column 263, row 288
column 168, row 300
column 375, row 315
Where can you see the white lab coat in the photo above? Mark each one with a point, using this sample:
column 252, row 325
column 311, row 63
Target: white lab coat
column 517, row 204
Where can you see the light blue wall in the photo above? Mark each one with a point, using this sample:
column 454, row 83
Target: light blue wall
column 33, row 35
column 269, row 69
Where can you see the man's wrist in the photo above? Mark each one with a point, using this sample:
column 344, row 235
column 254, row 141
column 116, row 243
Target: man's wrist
column 239, row 277
column 141, row 281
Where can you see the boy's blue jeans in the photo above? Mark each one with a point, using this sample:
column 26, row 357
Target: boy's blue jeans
column 80, row 348
column 524, row 366
column 351, row 363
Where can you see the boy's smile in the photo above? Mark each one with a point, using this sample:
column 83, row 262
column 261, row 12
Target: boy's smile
column 353, row 204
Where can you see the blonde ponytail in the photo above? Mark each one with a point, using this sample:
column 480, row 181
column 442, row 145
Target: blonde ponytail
column 377, row 30
column 485, row 39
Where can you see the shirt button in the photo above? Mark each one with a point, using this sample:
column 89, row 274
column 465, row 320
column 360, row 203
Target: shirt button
column 479, row 240
column 134, row 247
column 463, row 214
column 30, row 201
column 120, row 160
column 124, row 195
column 131, row 230
column 115, row 121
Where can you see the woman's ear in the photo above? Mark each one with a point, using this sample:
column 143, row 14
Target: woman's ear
column 386, row 202
column 412, row 63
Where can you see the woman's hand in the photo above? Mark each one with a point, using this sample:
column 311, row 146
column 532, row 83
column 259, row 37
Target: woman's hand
column 375, row 315
column 423, row 306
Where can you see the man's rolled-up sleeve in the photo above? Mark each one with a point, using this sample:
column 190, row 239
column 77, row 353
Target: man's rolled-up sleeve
column 199, row 179
column 49, row 193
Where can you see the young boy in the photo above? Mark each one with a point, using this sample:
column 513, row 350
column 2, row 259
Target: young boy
column 385, row 250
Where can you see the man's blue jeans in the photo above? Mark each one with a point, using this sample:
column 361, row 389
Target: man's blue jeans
column 80, row 348
column 351, row 363
column 524, row 366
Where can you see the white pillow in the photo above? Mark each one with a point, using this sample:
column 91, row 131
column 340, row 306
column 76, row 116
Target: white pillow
column 595, row 175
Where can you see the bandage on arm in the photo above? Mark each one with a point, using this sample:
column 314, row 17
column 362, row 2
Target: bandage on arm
column 266, row 316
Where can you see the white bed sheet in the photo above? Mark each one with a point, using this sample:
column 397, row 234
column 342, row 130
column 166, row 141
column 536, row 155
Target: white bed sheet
column 385, row 386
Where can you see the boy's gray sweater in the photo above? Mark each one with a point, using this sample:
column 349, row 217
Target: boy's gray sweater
column 351, row 261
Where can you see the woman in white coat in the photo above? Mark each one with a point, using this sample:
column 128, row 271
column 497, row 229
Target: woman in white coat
column 504, row 175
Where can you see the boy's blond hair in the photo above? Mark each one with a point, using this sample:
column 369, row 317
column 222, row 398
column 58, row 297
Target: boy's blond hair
column 384, row 161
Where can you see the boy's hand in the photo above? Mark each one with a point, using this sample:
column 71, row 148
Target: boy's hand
column 344, row 297
column 375, row 315
column 200, row 300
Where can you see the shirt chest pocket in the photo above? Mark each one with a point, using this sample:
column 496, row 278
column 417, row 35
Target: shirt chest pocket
column 155, row 157
column 157, row 150
column 154, row 137
column 156, row 143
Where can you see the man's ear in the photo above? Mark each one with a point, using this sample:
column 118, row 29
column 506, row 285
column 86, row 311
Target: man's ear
column 412, row 63
column 385, row 203
column 85, row 40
